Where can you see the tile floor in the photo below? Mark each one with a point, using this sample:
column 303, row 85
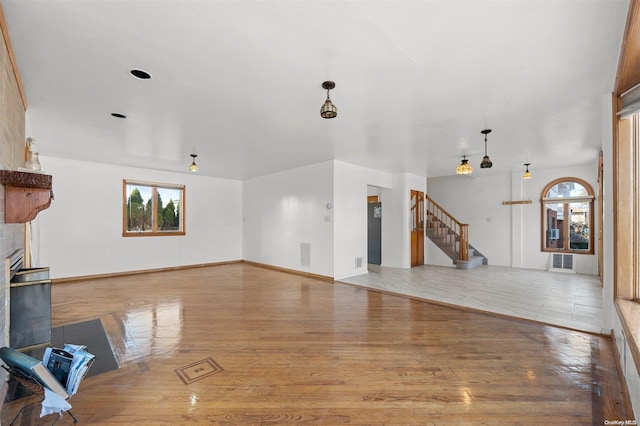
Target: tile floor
column 568, row 300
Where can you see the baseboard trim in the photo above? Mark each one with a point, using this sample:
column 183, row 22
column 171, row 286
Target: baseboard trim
column 290, row 271
column 138, row 272
column 177, row 268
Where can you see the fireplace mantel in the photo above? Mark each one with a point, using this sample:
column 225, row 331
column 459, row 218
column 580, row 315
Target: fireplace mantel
column 25, row 194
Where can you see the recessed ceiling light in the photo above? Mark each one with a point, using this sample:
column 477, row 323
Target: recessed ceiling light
column 118, row 115
column 142, row 75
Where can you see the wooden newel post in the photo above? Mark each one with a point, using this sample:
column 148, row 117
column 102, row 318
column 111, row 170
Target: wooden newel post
column 464, row 241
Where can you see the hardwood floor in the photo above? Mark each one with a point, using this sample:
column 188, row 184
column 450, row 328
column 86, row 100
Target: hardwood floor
column 240, row 344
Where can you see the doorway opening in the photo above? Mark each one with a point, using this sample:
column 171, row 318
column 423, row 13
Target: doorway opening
column 374, row 229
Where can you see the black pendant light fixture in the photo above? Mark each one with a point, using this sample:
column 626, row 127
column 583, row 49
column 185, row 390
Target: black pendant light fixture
column 464, row 168
column 193, row 167
column 328, row 109
column 527, row 173
column 486, row 161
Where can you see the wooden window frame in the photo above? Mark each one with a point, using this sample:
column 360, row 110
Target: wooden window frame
column 627, row 208
column 544, row 200
column 624, row 175
column 154, row 232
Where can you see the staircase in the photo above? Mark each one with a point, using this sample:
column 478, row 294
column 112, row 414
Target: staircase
column 451, row 236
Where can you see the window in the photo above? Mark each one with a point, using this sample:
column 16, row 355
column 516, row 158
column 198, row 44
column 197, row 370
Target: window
column 151, row 209
column 567, row 216
column 627, row 208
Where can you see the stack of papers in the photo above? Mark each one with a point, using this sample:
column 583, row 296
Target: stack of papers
column 80, row 364
column 53, row 403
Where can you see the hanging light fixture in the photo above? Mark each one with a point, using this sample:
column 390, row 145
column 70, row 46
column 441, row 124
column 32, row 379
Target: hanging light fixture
column 464, row 168
column 193, row 167
column 328, row 109
column 486, row 161
column 527, row 173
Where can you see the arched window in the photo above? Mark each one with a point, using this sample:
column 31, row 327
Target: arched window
column 567, row 216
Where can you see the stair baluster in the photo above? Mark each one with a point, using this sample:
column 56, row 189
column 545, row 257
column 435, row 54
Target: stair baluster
column 452, row 231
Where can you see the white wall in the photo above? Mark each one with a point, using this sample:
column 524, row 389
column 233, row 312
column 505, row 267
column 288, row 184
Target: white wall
column 350, row 183
column 508, row 235
column 434, row 256
column 81, row 233
column 477, row 201
column 395, row 244
column 533, row 257
column 283, row 210
column 264, row 219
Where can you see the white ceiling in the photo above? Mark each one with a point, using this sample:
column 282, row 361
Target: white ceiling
column 239, row 82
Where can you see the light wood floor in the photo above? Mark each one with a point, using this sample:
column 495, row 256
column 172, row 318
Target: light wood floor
column 285, row 349
column 567, row 300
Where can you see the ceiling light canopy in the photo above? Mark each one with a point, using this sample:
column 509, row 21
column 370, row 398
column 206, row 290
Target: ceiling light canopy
column 527, row 173
column 193, row 167
column 486, row 161
column 464, row 168
column 328, row 109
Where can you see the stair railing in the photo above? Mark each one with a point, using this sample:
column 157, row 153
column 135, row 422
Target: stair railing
column 448, row 227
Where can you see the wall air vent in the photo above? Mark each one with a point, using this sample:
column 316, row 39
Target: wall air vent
column 305, row 254
column 561, row 262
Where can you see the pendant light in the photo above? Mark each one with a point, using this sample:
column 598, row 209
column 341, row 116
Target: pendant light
column 486, row 161
column 328, row 109
column 464, row 168
column 193, row 167
column 527, row 173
